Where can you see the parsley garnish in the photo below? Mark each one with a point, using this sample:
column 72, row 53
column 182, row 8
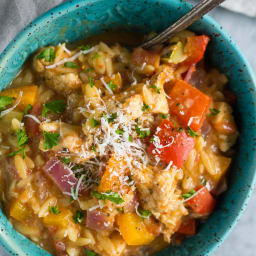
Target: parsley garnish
column 54, row 209
column 66, row 160
column 20, row 151
column 108, row 195
column 179, row 129
column 144, row 213
column 57, row 107
column 94, row 122
column 91, row 81
column 90, row 253
column 214, row 111
column 145, row 107
column 96, row 56
column 189, row 194
column 111, row 85
column 85, row 47
column 120, row 209
column 191, row 132
column 70, row 64
column 47, row 54
column 22, row 137
column 93, row 148
column 164, row 116
column 130, row 138
column 89, row 70
column 28, row 107
column 141, row 133
column 5, row 101
column 119, row 131
column 155, row 87
column 203, row 181
column 112, row 118
column 50, row 140
column 78, row 217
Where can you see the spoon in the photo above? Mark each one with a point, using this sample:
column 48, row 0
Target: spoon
column 185, row 21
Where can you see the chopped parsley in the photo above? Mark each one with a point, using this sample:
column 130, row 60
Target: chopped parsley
column 108, row 195
column 28, row 107
column 142, row 133
column 214, row 111
column 78, row 217
column 155, row 87
column 203, row 181
column 70, row 64
column 119, row 131
column 120, row 209
column 20, row 151
column 93, row 148
column 66, row 160
column 112, row 117
column 90, row 253
column 144, row 213
column 48, row 54
column 5, row 101
column 22, row 137
column 180, row 129
column 111, row 85
column 145, row 107
column 91, row 83
column 88, row 70
column 51, row 139
column 94, row 122
column 96, row 56
column 57, row 107
column 189, row 194
column 130, row 138
column 191, row 132
column 85, row 47
column 54, row 210
column 164, row 116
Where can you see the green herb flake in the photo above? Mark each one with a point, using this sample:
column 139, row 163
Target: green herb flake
column 164, row 116
column 130, row 138
column 57, row 107
column 145, row 107
column 5, row 101
column 70, row 64
column 88, row 70
column 50, row 140
column 91, row 83
column 85, row 47
column 144, row 213
column 180, row 129
column 90, row 253
column 142, row 133
column 22, row 137
column 94, row 122
column 93, row 148
column 48, row 54
column 78, row 217
column 96, row 56
column 28, row 107
column 119, row 131
column 54, row 210
column 120, row 209
column 189, row 194
column 108, row 195
column 155, row 87
column 191, row 132
column 66, row 160
column 111, row 85
column 203, row 181
column 20, row 151
column 112, row 118
column 214, row 111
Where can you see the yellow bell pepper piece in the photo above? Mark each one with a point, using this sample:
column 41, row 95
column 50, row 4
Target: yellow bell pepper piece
column 133, row 229
column 19, row 211
column 61, row 220
column 28, row 96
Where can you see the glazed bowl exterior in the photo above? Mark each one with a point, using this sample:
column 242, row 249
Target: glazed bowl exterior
column 79, row 19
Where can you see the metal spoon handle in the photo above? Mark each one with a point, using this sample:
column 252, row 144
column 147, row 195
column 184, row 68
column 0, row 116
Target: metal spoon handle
column 185, row 21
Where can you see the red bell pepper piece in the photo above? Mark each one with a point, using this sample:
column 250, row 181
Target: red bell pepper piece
column 171, row 145
column 188, row 104
column 188, row 227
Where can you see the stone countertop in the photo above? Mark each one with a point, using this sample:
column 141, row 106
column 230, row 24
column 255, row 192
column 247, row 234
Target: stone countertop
column 241, row 240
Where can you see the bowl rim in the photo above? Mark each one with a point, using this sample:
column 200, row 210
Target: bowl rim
column 57, row 11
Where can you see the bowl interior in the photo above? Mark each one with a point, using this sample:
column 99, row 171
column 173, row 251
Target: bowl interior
column 79, row 19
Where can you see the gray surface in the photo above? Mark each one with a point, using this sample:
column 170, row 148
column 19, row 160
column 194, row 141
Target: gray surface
column 14, row 14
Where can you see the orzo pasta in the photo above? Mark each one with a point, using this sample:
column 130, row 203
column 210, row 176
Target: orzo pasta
column 112, row 152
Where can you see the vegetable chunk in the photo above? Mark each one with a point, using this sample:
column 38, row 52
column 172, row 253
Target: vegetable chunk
column 189, row 105
column 188, row 227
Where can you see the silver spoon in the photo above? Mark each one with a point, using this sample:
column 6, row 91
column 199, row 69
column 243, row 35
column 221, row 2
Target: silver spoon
column 185, row 21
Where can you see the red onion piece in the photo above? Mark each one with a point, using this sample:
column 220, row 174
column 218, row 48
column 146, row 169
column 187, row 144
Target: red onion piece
column 98, row 220
column 60, row 175
column 206, row 128
column 189, row 73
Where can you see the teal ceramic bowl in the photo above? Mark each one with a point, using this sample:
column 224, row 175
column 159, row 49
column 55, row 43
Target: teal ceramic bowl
column 74, row 20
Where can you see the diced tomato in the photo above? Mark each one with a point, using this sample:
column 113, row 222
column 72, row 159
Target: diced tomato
column 195, row 48
column 140, row 56
column 188, row 104
column 173, row 146
column 188, row 227
column 203, row 202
